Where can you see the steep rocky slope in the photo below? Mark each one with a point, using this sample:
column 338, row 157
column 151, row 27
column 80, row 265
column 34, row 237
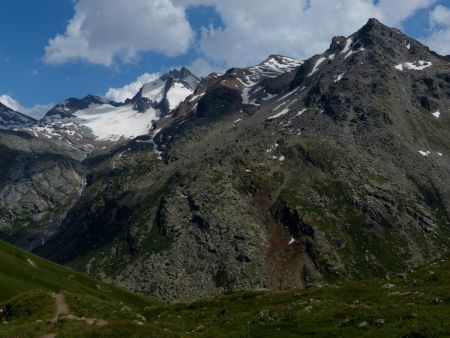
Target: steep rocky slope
column 282, row 175
column 12, row 119
column 40, row 180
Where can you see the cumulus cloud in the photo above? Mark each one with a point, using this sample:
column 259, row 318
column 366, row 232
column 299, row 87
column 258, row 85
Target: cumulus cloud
column 10, row 102
column 439, row 40
column 440, row 16
column 202, row 67
column 37, row 112
column 395, row 11
column 103, row 31
column 298, row 28
column 131, row 89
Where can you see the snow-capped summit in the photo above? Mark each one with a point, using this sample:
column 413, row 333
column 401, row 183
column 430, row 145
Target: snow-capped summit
column 10, row 119
column 271, row 67
column 72, row 105
column 275, row 65
column 167, row 92
column 251, row 80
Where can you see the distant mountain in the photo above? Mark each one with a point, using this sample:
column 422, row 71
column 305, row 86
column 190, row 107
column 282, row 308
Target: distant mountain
column 42, row 167
column 10, row 119
column 93, row 119
column 68, row 108
column 166, row 93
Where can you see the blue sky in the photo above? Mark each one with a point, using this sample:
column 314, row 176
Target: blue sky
column 162, row 34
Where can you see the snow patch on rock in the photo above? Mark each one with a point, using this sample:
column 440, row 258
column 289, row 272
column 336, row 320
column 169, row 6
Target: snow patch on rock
column 154, row 91
column 317, row 65
column 283, row 112
column 339, row 78
column 416, row 65
column 177, row 94
column 348, row 43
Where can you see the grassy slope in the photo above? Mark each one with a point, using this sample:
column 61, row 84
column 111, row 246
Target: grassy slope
column 23, row 272
column 416, row 306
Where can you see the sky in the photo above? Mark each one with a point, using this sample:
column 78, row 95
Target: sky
column 54, row 49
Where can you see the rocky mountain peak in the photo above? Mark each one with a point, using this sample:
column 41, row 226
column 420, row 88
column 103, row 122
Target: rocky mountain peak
column 167, row 92
column 4, row 108
column 180, row 74
column 375, row 34
column 337, row 44
column 373, row 51
column 374, row 24
column 374, row 37
column 67, row 108
column 92, row 99
column 10, row 118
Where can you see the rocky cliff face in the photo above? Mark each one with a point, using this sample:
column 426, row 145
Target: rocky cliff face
column 282, row 175
column 41, row 179
column 10, row 119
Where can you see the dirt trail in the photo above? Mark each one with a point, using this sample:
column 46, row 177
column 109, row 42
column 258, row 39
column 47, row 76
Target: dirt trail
column 49, row 335
column 62, row 311
column 61, row 306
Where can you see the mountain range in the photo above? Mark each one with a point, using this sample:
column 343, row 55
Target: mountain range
column 288, row 174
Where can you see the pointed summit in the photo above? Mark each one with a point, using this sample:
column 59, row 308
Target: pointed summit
column 183, row 76
column 373, row 23
column 10, row 118
column 381, row 43
column 365, row 34
column 167, row 92
column 375, row 33
column 180, row 74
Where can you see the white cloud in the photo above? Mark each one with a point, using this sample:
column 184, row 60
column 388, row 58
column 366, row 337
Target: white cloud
column 103, row 31
column 129, row 90
column 439, row 40
column 297, row 28
column 202, row 67
column 10, row 102
column 440, row 16
column 37, row 112
column 395, row 11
